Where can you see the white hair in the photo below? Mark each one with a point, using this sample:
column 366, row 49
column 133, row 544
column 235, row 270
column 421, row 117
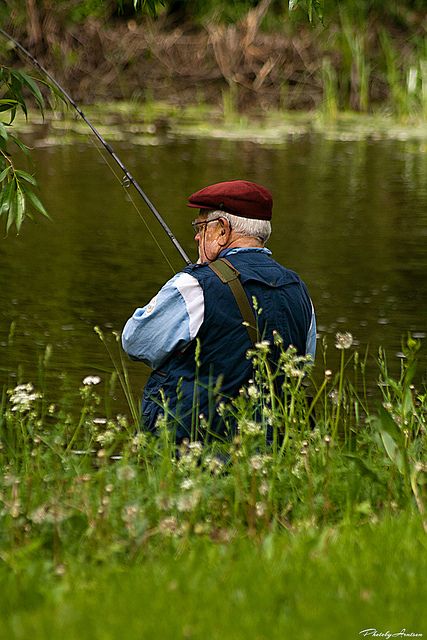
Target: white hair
column 260, row 229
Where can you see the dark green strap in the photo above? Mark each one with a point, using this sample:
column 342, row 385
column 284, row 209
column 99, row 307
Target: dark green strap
column 230, row 275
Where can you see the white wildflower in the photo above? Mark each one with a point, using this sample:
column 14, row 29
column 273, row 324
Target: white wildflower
column 39, row 515
column 268, row 415
column 9, row 480
column 139, row 441
column 91, row 380
column 260, row 509
column 126, row 473
column 186, row 484
column 106, row 438
column 293, row 372
column 214, row 464
column 264, row 345
column 221, row 409
column 60, row 570
column 22, row 397
column 250, row 428
column 264, row 488
column 130, row 512
column 253, row 392
column 51, row 513
column 259, row 461
column 15, row 509
column 196, row 448
column 334, row 395
column 189, row 501
column 169, row 526
column 343, row 340
column 122, row 421
column 277, row 337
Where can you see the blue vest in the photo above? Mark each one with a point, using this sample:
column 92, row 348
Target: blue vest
column 223, row 366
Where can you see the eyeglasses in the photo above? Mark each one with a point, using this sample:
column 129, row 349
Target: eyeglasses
column 198, row 225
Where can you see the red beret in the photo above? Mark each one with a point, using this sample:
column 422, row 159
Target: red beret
column 239, row 197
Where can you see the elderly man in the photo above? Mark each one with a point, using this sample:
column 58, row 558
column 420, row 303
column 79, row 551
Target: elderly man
column 196, row 331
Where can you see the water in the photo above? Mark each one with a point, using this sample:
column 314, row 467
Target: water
column 349, row 216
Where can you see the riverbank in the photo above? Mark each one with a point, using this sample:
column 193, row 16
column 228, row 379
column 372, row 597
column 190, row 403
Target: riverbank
column 260, row 63
column 155, row 122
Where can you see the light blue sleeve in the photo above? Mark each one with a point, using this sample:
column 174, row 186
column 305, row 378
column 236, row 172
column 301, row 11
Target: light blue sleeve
column 310, row 346
column 169, row 322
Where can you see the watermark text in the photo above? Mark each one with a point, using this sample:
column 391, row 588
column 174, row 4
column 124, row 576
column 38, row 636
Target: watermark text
column 388, row 634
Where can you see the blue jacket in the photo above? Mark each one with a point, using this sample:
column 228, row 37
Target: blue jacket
column 223, row 366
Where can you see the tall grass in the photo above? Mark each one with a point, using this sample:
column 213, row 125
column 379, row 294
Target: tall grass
column 85, row 496
column 82, row 483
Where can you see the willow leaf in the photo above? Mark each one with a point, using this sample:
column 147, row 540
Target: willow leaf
column 28, row 80
column 20, row 144
column 5, row 172
column 25, row 176
column 36, row 203
column 3, row 132
column 11, row 208
column 20, row 208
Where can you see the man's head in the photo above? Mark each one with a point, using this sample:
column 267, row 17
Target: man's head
column 232, row 214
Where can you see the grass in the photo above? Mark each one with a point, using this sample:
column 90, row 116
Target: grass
column 105, row 532
column 306, row 584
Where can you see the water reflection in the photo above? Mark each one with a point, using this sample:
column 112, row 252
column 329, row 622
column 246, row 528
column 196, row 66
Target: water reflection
column 350, row 217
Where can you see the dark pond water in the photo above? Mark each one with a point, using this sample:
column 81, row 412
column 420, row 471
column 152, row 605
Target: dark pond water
column 350, row 217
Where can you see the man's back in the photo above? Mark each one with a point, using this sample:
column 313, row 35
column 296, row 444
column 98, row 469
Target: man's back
column 283, row 305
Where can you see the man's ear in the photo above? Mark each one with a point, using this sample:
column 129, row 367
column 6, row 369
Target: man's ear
column 224, row 226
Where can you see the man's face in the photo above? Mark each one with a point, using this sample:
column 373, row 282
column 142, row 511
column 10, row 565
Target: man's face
column 207, row 236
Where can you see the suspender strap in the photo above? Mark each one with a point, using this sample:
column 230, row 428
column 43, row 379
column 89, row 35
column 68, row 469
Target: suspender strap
column 230, row 275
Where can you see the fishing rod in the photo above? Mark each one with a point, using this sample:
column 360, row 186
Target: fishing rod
column 127, row 175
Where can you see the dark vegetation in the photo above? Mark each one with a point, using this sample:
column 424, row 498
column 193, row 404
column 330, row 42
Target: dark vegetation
column 359, row 55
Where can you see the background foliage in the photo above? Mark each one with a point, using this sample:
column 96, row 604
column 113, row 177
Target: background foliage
column 252, row 56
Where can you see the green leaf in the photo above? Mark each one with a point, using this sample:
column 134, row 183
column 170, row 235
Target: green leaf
column 410, row 373
column 407, row 402
column 15, row 90
column 28, row 80
column 392, row 450
column 3, row 132
column 12, row 110
column 393, row 441
column 11, row 211
column 25, row 176
column 37, row 204
column 8, row 103
column 5, row 172
column 20, row 144
column 389, row 426
column 20, row 209
column 365, row 469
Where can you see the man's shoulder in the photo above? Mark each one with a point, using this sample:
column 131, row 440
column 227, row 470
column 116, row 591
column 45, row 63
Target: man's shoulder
column 201, row 274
